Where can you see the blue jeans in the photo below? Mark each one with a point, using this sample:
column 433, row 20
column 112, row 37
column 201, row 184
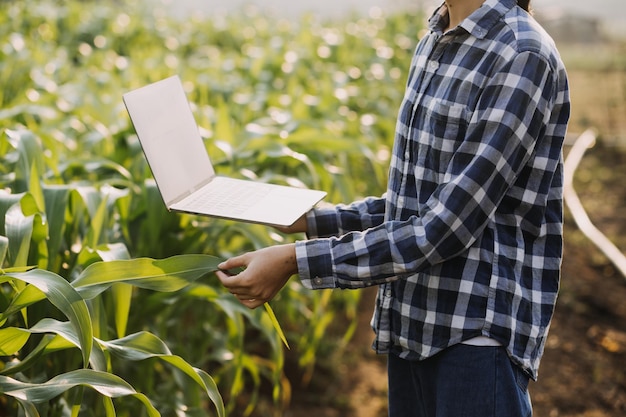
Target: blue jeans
column 461, row 381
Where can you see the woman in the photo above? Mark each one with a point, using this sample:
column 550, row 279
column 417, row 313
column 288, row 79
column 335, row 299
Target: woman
column 466, row 244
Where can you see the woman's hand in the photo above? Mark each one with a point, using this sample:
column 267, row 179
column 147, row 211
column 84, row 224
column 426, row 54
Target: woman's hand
column 265, row 272
column 299, row 226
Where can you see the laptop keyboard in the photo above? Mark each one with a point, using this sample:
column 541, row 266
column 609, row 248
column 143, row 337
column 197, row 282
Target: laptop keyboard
column 227, row 196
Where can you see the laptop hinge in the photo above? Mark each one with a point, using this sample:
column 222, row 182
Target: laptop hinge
column 187, row 193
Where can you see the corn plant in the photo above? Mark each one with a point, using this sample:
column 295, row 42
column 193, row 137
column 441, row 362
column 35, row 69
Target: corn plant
column 75, row 301
column 35, row 225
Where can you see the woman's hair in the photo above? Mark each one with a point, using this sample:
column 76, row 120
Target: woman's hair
column 524, row 4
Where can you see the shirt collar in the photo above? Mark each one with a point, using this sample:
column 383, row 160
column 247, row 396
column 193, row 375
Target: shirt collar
column 478, row 23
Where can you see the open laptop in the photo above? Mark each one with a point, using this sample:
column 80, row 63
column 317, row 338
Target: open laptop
column 183, row 172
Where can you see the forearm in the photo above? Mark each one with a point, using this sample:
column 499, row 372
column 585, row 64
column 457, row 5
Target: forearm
column 341, row 219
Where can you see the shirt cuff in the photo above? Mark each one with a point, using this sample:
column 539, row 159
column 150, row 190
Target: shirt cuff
column 315, row 264
column 322, row 222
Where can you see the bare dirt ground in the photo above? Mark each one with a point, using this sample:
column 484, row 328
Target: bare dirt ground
column 583, row 371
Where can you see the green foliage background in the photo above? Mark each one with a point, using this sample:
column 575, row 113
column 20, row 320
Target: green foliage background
column 309, row 103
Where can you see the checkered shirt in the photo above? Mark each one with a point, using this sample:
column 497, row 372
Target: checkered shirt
column 467, row 240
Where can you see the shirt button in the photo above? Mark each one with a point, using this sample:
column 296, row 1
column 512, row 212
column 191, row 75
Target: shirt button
column 317, row 281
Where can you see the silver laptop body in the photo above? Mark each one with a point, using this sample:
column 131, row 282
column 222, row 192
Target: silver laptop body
column 183, row 172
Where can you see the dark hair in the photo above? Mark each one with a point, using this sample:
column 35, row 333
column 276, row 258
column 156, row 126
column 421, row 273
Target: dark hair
column 524, row 4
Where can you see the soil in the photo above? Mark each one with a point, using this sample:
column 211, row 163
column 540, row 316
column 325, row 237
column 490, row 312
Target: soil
column 583, row 370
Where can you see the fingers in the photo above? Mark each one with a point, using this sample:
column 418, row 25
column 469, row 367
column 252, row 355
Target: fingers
column 266, row 272
column 250, row 302
column 245, row 298
column 234, row 283
column 234, row 262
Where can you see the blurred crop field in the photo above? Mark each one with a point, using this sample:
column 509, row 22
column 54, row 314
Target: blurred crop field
column 108, row 303
column 598, row 89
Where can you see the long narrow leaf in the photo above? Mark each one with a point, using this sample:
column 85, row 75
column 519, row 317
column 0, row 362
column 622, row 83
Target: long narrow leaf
column 104, row 383
column 122, row 292
column 58, row 336
column 122, row 296
column 11, row 340
column 26, row 297
column 4, row 247
column 67, row 331
column 19, row 230
column 56, row 199
column 275, row 323
column 7, row 200
column 109, row 409
column 30, row 150
column 48, row 343
column 29, row 408
column 12, row 270
column 145, row 345
column 60, row 293
column 201, row 378
column 138, row 346
column 170, row 274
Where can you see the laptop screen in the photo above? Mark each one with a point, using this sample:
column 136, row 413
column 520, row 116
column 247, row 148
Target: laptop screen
column 169, row 136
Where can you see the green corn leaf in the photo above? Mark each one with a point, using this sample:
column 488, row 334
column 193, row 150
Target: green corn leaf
column 104, row 383
column 13, row 269
column 30, row 151
column 33, row 209
column 60, row 293
column 167, row 275
column 113, row 252
column 35, row 190
column 29, row 408
column 97, row 223
column 67, row 332
column 109, row 409
column 91, row 198
column 58, row 336
column 26, row 297
column 4, row 247
column 201, row 378
column 7, row 200
column 56, row 199
column 122, row 292
column 144, row 345
column 275, row 323
column 19, row 230
column 48, row 343
column 122, row 296
column 138, row 346
column 12, row 339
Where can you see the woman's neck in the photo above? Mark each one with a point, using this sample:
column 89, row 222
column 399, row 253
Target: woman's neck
column 458, row 10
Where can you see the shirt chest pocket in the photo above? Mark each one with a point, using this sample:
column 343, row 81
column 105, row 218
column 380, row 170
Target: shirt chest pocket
column 441, row 128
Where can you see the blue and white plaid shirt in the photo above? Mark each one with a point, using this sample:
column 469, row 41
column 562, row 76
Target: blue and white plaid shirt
column 467, row 241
